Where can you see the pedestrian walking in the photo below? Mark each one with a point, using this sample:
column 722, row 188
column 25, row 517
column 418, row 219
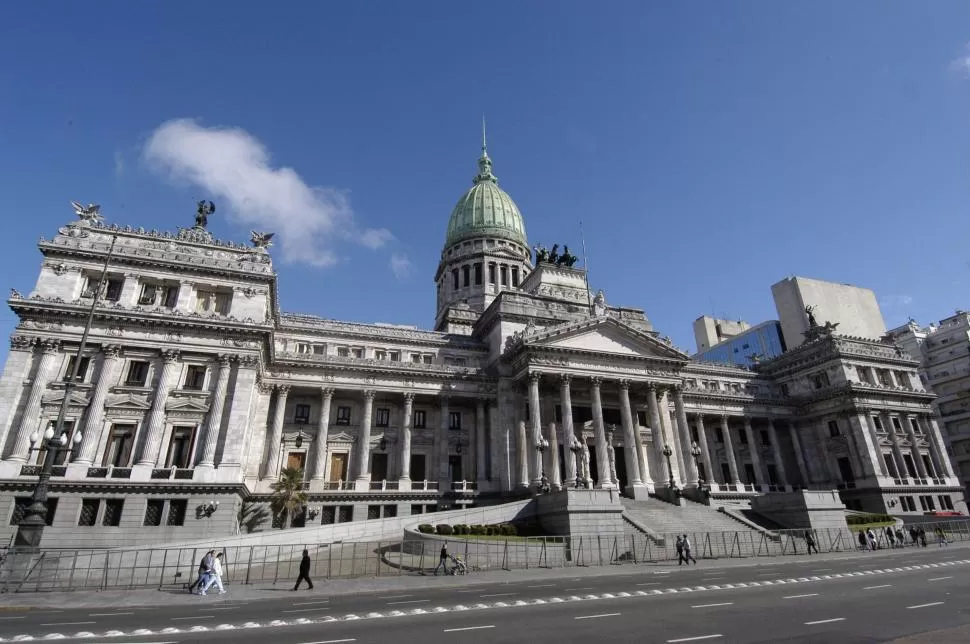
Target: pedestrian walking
column 442, row 559
column 941, row 537
column 304, row 572
column 891, row 536
column 205, row 566
column 914, row 535
column 900, row 538
column 922, row 536
column 216, row 576
column 680, row 550
column 810, row 541
column 688, row 557
column 863, row 542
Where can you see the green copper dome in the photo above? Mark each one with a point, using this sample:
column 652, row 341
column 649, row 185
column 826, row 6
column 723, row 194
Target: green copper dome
column 485, row 210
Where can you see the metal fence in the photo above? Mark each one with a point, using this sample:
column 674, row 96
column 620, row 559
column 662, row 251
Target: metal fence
column 173, row 569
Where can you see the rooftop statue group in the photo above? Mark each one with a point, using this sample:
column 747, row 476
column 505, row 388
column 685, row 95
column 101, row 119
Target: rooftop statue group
column 545, row 256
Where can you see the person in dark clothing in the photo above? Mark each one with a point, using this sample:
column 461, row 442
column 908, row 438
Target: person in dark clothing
column 810, row 542
column 442, row 559
column 304, row 572
column 205, row 567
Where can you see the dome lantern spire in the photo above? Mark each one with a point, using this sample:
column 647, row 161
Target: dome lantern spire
column 484, row 163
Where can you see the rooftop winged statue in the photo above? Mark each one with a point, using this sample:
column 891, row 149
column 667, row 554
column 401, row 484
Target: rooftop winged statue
column 261, row 241
column 567, row 259
column 554, row 255
column 810, row 312
column 542, row 255
column 205, row 208
column 89, row 214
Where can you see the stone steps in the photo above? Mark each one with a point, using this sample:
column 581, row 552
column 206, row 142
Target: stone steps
column 690, row 517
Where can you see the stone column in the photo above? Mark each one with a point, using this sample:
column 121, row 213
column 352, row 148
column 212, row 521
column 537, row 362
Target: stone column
column 15, row 371
column 568, row 431
column 480, row 473
column 901, row 470
column 444, row 481
column 522, row 451
column 156, row 417
column 94, row 422
column 705, row 450
column 830, row 472
column 42, row 378
column 685, row 443
column 602, row 457
column 656, row 431
column 672, row 437
column 273, row 465
column 630, row 451
column 867, row 451
column 799, row 454
column 936, row 440
column 218, row 403
column 729, row 450
column 555, row 480
column 535, row 417
column 323, row 433
column 879, row 463
column 759, row 475
column 914, row 450
column 363, row 442
column 776, row 452
column 246, row 429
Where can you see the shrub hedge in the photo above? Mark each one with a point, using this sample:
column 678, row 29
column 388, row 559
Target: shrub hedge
column 859, row 519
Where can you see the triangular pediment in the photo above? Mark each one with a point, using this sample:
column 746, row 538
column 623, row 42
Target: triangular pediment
column 186, row 404
column 128, row 401
column 340, row 437
column 77, row 398
column 604, row 335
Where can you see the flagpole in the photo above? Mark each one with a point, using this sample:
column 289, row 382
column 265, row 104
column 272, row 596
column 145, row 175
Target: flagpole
column 589, row 301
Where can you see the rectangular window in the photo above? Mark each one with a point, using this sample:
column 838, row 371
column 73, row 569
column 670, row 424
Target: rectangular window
column 427, row 359
column 176, row 512
column 89, row 512
column 112, row 291
column 515, row 277
column 834, row 429
column 356, row 352
column 478, row 274
column 394, row 356
column 195, row 377
column 137, row 373
column 343, row 352
column 383, row 417
column 504, row 273
column 343, row 415
column 170, row 296
column 877, row 423
column 180, row 447
column 454, row 420
column 743, row 437
column 380, row 354
column 148, row 294
column 784, row 389
column 419, row 419
column 301, row 414
column 946, row 503
column 112, row 512
column 319, row 349
column 718, row 435
column 466, row 276
column 454, row 276
column 764, row 437
column 693, row 434
column 302, row 348
column 118, row 451
column 491, row 273
column 642, row 418
column 82, row 369
column 211, row 302
column 153, row 512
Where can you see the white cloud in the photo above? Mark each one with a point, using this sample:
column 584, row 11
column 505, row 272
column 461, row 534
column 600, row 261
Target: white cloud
column 891, row 301
column 961, row 64
column 119, row 163
column 233, row 168
column 401, row 266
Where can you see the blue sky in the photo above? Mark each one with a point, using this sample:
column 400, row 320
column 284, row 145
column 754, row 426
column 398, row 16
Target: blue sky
column 711, row 148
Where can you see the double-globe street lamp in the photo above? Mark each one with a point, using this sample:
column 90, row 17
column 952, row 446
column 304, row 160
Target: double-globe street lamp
column 30, row 530
column 671, row 486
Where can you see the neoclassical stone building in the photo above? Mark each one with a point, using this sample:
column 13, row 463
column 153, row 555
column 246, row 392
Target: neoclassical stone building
column 195, row 388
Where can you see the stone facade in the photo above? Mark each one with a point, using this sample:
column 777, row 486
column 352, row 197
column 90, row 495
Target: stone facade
column 195, row 388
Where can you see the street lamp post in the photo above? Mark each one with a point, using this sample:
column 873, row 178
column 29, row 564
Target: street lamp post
column 671, row 486
column 695, row 451
column 31, row 528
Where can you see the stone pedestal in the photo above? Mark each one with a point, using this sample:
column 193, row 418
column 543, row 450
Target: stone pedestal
column 817, row 510
column 637, row 492
column 581, row 512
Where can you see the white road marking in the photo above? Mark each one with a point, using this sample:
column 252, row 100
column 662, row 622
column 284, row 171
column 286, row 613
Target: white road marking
column 543, row 586
column 825, row 621
column 879, row 586
column 67, row 623
column 195, row 617
column 940, row 578
column 695, row 639
column 822, row 570
column 396, row 597
column 925, row 605
column 412, row 601
column 303, row 610
column 598, row 616
column 658, row 572
column 713, row 605
column 325, row 601
column 109, row 614
column 223, row 608
column 500, row 595
column 583, row 588
column 467, row 628
column 323, row 642
column 801, row 596
column 20, row 617
column 650, row 583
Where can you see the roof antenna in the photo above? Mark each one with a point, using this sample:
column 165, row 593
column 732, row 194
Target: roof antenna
column 589, row 300
column 484, row 147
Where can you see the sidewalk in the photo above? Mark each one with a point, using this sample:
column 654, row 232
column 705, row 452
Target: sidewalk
column 340, row 587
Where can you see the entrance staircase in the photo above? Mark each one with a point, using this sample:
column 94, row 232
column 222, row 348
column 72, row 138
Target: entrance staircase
column 691, row 518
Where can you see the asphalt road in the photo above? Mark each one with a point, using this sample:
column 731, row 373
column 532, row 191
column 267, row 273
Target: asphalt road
column 848, row 609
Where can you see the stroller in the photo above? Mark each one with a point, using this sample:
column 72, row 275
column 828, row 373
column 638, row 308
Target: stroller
column 458, row 566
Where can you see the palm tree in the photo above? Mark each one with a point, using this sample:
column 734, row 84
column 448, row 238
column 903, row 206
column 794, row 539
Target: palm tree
column 288, row 495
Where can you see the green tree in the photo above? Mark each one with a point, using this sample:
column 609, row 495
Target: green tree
column 288, row 495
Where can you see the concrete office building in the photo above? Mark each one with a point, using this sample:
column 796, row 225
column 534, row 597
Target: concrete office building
column 854, row 309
